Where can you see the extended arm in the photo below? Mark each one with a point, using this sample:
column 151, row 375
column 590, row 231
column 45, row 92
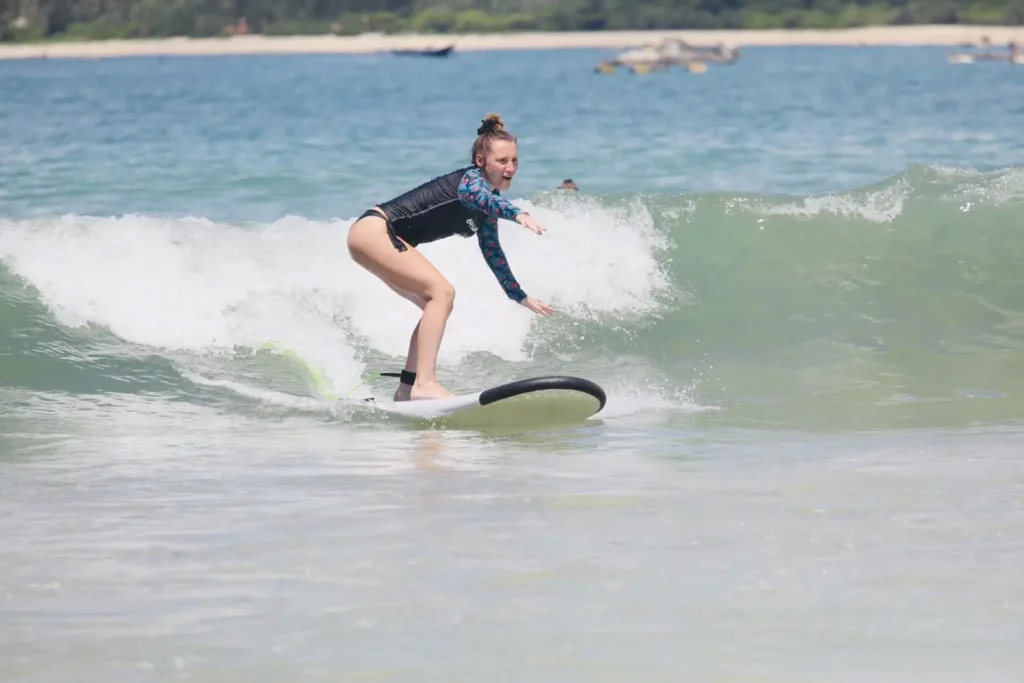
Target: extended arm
column 475, row 192
column 490, row 247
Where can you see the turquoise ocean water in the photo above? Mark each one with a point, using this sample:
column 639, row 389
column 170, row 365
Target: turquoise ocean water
column 798, row 277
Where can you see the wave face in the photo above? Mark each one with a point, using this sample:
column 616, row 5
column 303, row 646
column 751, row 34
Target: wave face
column 896, row 304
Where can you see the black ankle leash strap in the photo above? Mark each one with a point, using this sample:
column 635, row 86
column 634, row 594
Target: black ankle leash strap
column 405, row 377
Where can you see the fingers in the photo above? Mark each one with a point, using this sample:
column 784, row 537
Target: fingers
column 542, row 308
column 530, row 223
column 537, row 306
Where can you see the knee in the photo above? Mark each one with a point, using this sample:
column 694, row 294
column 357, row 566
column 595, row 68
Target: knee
column 443, row 294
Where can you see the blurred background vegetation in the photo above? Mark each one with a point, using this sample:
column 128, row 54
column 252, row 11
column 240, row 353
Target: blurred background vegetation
column 30, row 20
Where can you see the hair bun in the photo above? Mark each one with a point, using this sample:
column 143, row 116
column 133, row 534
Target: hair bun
column 491, row 123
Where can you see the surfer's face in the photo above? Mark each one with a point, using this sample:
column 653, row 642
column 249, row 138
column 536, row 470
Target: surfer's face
column 500, row 164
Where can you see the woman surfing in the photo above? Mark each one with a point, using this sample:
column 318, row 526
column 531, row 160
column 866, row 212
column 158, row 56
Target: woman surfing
column 464, row 202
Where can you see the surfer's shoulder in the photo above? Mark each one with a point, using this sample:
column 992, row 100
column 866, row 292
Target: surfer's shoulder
column 475, row 192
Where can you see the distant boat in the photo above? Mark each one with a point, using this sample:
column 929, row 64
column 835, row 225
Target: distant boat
column 439, row 52
column 670, row 52
column 1013, row 56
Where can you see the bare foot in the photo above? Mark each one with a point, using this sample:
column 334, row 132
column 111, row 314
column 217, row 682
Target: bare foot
column 402, row 392
column 428, row 390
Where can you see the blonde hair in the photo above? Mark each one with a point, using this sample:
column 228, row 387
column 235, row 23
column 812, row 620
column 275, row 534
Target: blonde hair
column 491, row 128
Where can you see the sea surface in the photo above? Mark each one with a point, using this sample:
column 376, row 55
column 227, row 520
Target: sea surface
column 799, row 278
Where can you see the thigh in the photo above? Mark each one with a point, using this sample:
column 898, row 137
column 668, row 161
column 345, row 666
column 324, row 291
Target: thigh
column 417, row 301
column 407, row 272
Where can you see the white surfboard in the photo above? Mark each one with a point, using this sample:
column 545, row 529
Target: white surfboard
column 532, row 402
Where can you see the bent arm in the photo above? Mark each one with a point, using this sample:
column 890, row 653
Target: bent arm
column 476, row 193
column 490, row 247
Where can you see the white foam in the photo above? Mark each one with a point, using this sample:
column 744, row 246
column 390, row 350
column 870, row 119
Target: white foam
column 298, row 402
column 881, row 206
column 189, row 284
column 993, row 189
column 197, row 286
column 633, row 401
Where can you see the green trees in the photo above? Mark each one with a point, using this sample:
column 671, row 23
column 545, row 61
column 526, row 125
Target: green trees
column 96, row 19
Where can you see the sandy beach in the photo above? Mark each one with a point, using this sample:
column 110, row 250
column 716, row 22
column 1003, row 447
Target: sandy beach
column 948, row 35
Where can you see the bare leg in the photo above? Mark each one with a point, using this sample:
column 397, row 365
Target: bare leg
column 404, row 391
column 429, row 333
column 409, row 272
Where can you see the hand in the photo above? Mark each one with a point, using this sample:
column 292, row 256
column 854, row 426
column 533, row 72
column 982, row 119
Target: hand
column 537, row 306
column 529, row 222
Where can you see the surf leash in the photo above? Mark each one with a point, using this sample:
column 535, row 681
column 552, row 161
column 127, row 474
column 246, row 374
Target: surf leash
column 322, row 385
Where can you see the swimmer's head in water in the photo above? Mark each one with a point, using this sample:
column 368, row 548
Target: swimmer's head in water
column 495, row 152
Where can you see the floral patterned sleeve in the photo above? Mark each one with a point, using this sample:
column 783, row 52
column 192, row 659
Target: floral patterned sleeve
column 475, row 192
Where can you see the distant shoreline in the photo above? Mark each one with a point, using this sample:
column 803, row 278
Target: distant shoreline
column 941, row 35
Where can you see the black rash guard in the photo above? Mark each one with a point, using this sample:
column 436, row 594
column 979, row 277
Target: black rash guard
column 458, row 203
